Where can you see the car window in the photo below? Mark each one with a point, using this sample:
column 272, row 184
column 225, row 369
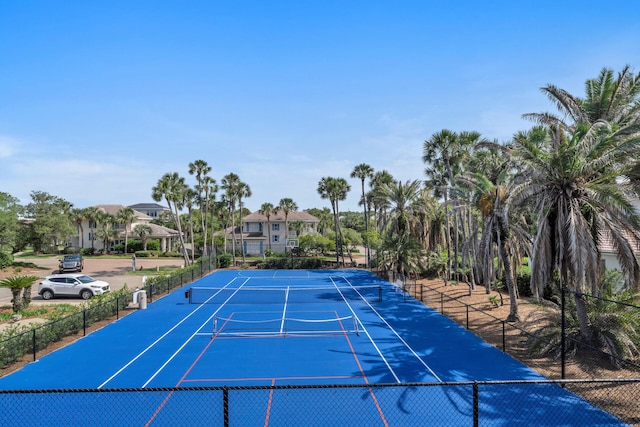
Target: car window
column 71, row 280
column 86, row 279
column 58, row 279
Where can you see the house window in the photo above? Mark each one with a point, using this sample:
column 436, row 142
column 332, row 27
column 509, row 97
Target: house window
column 275, row 227
column 275, row 238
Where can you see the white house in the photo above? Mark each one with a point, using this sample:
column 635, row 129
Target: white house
column 153, row 210
column 260, row 233
column 87, row 231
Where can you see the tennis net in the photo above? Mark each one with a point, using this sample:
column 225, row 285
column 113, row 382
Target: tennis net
column 284, row 326
column 288, row 295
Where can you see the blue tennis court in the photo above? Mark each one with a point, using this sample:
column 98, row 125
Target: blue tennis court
column 294, row 328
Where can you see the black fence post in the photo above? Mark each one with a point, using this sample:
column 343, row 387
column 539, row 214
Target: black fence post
column 225, row 405
column 35, row 345
column 84, row 322
column 504, row 341
column 467, row 306
column 476, row 412
column 563, row 334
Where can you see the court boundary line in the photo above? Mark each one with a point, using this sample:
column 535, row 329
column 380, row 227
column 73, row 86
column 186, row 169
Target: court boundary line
column 364, row 329
column 406, row 344
column 163, row 336
column 196, row 333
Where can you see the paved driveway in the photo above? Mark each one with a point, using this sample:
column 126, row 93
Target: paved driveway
column 114, row 271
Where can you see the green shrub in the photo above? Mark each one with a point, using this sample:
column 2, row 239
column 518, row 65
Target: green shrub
column 282, row 263
column 224, row 260
column 87, row 251
column 6, row 259
column 172, row 254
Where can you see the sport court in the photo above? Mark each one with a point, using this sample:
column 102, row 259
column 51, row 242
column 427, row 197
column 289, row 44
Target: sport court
column 293, row 328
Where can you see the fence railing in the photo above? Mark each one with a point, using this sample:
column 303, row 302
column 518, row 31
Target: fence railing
column 19, row 342
column 515, row 403
column 510, row 337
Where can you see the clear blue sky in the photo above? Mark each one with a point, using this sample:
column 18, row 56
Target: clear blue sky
column 98, row 99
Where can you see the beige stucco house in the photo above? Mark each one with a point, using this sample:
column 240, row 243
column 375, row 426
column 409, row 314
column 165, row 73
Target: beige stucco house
column 260, row 233
column 87, row 232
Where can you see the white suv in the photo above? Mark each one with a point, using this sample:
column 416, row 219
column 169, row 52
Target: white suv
column 71, row 285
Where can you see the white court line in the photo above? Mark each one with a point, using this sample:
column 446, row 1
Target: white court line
column 119, row 371
column 416, row 355
column 365, row 329
column 284, row 311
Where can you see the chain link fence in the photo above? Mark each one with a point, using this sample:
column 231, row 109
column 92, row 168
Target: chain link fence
column 481, row 403
column 560, row 342
column 20, row 343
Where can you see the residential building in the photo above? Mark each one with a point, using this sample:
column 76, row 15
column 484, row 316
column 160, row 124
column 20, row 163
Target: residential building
column 88, row 231
column 260, row 234
column 153, row 210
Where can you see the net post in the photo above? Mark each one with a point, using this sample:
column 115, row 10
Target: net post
column 355, row 326
column 215, row 326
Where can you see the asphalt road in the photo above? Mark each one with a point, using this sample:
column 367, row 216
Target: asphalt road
column 115, row 271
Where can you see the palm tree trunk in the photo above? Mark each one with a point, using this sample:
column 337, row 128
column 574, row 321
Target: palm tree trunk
column 16, row 301
column 583, row 319
column 335, row 228
column 508, row 277
column 179, row 225
column 448, row 238
column 241, row 233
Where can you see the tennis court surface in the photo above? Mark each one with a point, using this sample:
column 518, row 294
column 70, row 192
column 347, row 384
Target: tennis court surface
column 267, row 347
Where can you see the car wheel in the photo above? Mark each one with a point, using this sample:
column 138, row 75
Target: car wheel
column 86, row 294
column 47, row 294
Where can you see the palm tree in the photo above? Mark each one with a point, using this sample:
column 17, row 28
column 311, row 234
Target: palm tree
column 77, row 217
column 608, row 99
column 267, row 210
column 188, row 197
column 221, row 211
column 362, row 172
column 335, row 189
column 171, row 186
column 378, row 200
column 230, row 183
column 210, row 190
column 579, row 200
column 492, row 200
column 125, row 216
column 243, row 191
column 142, row 231
column 400, row 246
column 205, row 185
column 445, row 152
column 106, row 232
column 91, row 214
column 18, row 285
column 325, row 217
column 401, row 198
column 287, row 206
